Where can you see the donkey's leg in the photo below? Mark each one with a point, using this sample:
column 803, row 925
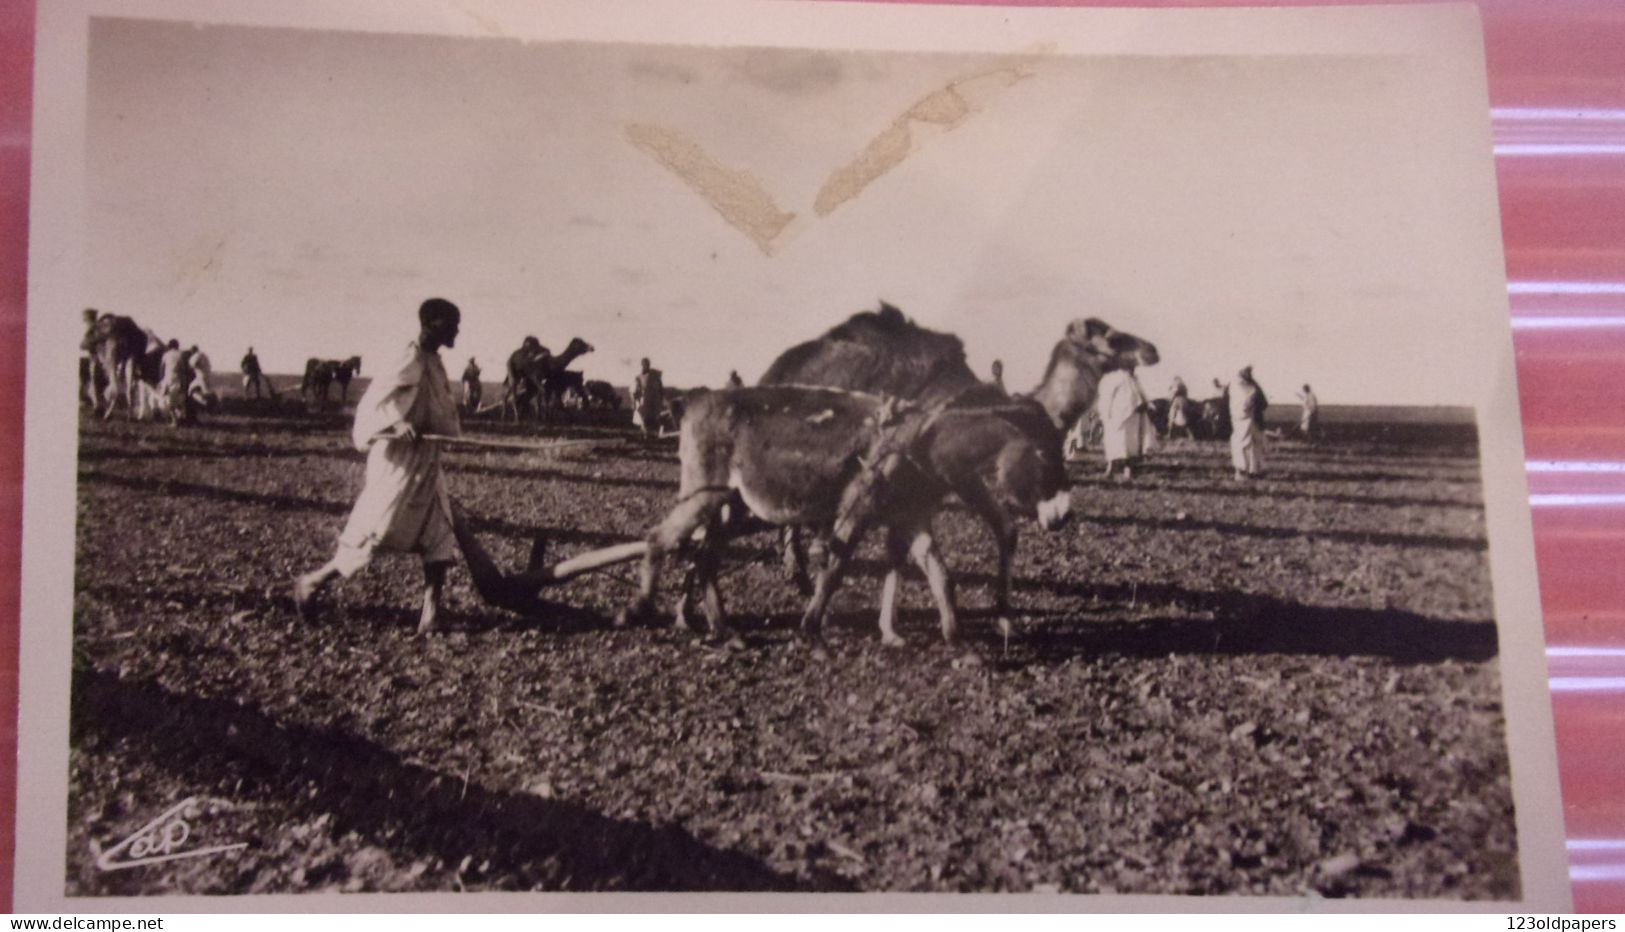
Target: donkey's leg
column 897, row 545
column 980, row 501
column 707, row 563
column 670, row 534
column 840, row 549
column 795, row 561
column 923, row 550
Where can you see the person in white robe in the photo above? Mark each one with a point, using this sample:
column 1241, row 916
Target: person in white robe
column 1247, row 405
column 1309, row 416
column 1124, row 414
column 648, row 400
column 1179, row 408
column 404, row 506
column 174, row 383
column 199, row 391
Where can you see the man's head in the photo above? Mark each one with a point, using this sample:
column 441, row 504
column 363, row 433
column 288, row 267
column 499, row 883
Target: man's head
column 174, row 344
column 998, row 368
column 192, row 349
column 1246, row 374
column 1306, row 388
column 439, row 320
column 251, row 351
column 643, row 364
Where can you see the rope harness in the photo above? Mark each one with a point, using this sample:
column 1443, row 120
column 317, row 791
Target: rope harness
column 898, row 426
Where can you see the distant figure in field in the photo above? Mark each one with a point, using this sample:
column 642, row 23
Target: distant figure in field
column 1124, row 415
column 89, row 373
column 734, row 381
column 1179, row 408
column 200, row 392
column 253, row 379
column 1309, row 420
column 175, row 384
column 1247, row 406
column 648, row 399
column 998, row 373
column 471, row 386
column 404, row 506
column 1215, row 413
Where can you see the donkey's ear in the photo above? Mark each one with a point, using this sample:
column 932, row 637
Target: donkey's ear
column 1086, row 330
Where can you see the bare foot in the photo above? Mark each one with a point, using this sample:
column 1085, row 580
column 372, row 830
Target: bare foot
column 429, row 621
column 304, row 593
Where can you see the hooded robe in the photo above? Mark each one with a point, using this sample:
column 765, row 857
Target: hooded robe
column 1122, row 413
column 403, row 506
column 1247, row 404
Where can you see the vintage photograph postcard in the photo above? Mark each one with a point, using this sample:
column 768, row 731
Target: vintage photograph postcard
column 1001, row 459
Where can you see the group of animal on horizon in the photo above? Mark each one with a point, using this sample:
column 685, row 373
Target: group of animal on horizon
column 151, row 377
column 123, row 365
column 130, row 365
column 536, row 381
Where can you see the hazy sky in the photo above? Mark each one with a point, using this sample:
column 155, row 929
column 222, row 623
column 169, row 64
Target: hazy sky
column 303, row 191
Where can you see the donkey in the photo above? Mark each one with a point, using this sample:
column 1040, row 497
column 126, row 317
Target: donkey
column 840, row 462
column 886, row 353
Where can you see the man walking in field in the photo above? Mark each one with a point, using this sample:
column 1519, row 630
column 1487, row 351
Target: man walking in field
column 471, row 386
column 1247, row 406
column 253, row 379
column 175, row 385
column 1309, row 420
column 1123, row 415
column 649, row 399
column 1179, row 405
column 403, row 507
column 199, row 393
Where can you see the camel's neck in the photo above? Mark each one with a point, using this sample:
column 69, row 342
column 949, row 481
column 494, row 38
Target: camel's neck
column 568, row 356
column 1070, row 386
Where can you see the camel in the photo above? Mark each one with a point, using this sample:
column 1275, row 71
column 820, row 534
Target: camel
column 554, row 376
column 521, row 386
column 116, row 344
column 320, row 374
column 885, row 352
column 536, row 376
column 840, row 462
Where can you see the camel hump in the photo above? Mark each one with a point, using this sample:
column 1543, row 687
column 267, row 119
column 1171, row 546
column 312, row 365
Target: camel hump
column 877, row 351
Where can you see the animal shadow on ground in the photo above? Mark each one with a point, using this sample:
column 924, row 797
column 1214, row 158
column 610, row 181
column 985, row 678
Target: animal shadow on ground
column 1245, row 623
column 1241, row 623
column 530, row 842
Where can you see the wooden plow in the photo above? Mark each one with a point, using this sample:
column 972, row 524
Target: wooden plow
column 518, row 591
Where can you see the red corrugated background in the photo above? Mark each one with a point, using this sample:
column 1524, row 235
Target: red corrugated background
column 1563, row 220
